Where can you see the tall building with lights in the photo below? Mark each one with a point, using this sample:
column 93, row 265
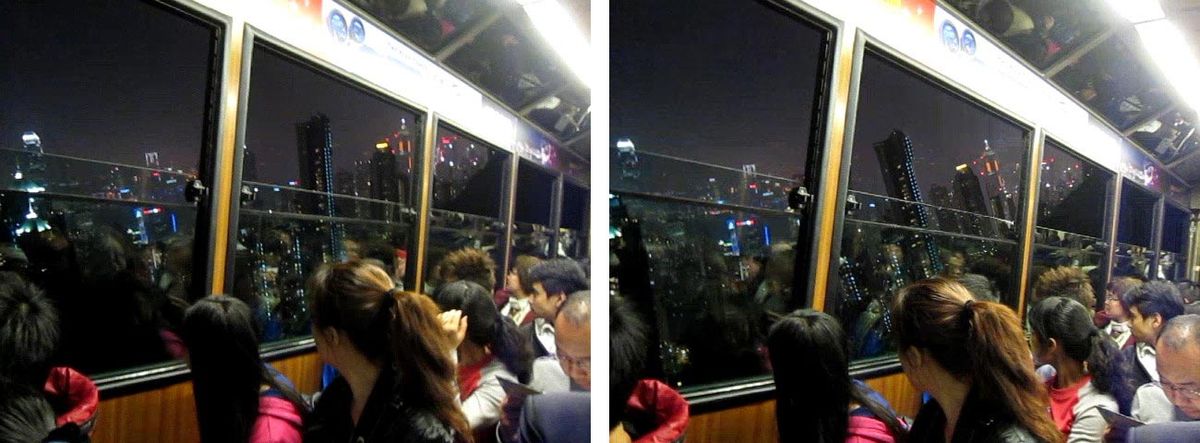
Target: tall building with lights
column 895, row 156
column 970, row 194
column 314, row 140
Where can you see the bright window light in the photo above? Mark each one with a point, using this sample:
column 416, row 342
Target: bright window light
column 1170, row 51
column 1137, row 11
column 562, row 34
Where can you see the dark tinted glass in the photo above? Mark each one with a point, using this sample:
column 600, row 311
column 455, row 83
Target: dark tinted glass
column 468, row 175
column 102, row 123
column 1169, row 136
column 535, row 191
column 934, row 189
column 1135, row 222
column 711, row 130
column 333, row 170
column 1041, row 32
column 1173, row 261
column 574, row 206
column 510, row 60
column 432, row 24
column 1117, row 80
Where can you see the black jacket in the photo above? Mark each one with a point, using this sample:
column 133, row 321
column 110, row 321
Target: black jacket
column 981, row 421
column 386, row 418
column 1138, row 373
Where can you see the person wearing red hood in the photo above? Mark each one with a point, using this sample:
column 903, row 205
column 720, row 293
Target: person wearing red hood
column 813, row 389
column 28, row 338
column 653, row 412
column 238, row 397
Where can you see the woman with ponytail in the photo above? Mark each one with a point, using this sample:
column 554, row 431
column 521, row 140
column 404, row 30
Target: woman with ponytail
column 492, row 350
column 1089, row 368
column 971, row 356
column 815, row 398
column 394, row 356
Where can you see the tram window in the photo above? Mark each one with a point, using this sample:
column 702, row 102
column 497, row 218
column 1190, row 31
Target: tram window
column 103, row 125
column 468, row 180
column 334, row 168
column 1072, row 202
column 1112, row 80
column 572, row 235
column 707, row 147
column 1168, row 136
column 505, row 59
column 536, row 190
column 938, row 181
column 1173, row 261
column 1135, row 219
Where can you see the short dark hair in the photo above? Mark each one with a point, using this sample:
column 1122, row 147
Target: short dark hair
column 472, row 264
column 559, row 276
column 25, row 416
column 28, row 331
column 627, row 353
column 1155, row 297
column 1064, row 281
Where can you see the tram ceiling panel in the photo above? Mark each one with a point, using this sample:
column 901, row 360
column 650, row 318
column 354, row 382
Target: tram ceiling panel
column 494, row 45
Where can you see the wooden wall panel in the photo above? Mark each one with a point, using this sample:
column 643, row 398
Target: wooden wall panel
column 169, row 414
column 756, row 422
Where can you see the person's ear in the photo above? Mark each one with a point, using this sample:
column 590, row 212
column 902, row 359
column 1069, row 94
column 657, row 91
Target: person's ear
column 1156, row 321
column 914, row 357
column 559, row 299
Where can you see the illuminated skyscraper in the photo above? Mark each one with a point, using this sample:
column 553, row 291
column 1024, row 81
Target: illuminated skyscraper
column 900, row 176
column 970, row 194
column 314, row 140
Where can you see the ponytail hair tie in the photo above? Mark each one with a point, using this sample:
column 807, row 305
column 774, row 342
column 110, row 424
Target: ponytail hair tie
column 966, row 314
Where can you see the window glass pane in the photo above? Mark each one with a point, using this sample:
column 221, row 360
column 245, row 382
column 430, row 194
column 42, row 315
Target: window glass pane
column 468, row 175
column 1172, row 263
column 1117, row 81
column 701, row 166
column 1072, row 202
column 535, row 187
column 1135, row 222
column 531, row 239
column 510, row 60
column 1041, row 32
column 451, row 231
column 934, row 189
column 433, row 23
column 333, row 169
column 101, row 126
column 1169, row 136
column 575, row 203
column 1132, row 260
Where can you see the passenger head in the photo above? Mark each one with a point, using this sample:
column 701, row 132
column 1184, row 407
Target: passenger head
column 1066, row 281
column 551, row 281
column 227, row 372
column 486, row 328
column 517, row 278
column 28, row 331
column 25, row 417
column 471, row 264
column 979, row 286
column 813, row 389
column 1150, row 306
column 1117, row 287
column 627, row 353
column 1178, row 350
column 573, row 338
column 941, row 332
column 357, row 314
column 1063, row 329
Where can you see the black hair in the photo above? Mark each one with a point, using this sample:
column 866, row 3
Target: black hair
column 24, row 417
column 627, row 353
column 485, row 325
column 813, row 389
column 28, row 331
column 1070, row 324
column 227, row 372
column 559, row 276
column 1155, row 297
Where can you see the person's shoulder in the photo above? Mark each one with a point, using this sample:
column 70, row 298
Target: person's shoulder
column 424, row 426
column 1170, row 432
column 556, row 417
column 1012, row 433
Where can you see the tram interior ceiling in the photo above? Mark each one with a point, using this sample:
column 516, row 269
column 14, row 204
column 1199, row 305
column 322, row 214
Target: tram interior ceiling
column 114, row 174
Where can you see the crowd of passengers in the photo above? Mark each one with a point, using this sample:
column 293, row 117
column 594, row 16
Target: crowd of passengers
column 466, row 364
column 989, row 377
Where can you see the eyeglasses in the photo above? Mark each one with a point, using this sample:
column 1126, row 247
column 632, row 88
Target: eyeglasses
column 1188, row 392
column 584, row 363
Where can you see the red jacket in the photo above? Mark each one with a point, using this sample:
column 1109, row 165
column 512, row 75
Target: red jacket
column 660, row 407
column 278, row 422
column 863, row 429
column 74, row 398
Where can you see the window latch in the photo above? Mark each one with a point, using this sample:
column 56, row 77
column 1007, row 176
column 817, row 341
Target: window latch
column 248, row 195
column 798, row 198
column 852, row 204
column 195, row 190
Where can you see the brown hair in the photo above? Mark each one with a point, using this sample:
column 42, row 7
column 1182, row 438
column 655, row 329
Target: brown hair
column 522, row 265
column 1064, row 281
column 471, row 264
column 980, row 340
column 391, row 328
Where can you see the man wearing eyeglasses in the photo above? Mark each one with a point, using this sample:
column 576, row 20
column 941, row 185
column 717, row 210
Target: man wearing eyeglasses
column 1176, row 394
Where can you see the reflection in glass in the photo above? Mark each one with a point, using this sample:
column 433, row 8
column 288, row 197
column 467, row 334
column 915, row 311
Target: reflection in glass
column 573, row 234
column 102, row 128
column 467, row 175
column 431, row 24
column 1114, row 83
column 1135, row 221
column 1172, row 264
column 451, row 231
column 1042, row 32
column 713, row 269
column 934, row 191
column 535, row 186
column 532, row 239
column 1072, row 203
column 330, row 175
column 508, row 60
column 1168, row 136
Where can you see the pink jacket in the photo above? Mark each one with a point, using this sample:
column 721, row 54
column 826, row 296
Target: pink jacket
column 278, row 422
column 864, row 429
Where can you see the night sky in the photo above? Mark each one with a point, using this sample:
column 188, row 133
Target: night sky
column 732, row 82
column 282, row 94
column 104, row 80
